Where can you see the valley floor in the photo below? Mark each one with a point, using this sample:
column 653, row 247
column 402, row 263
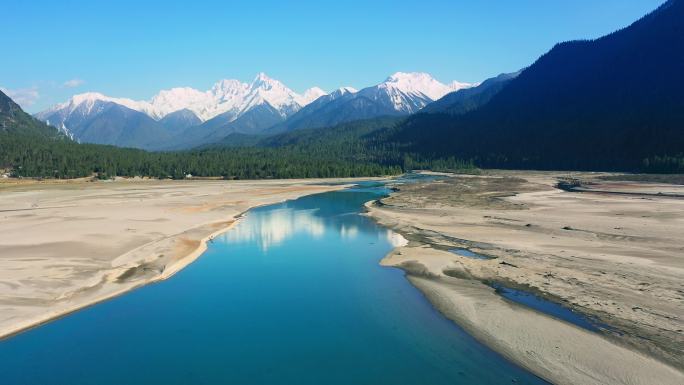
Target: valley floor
column 613, row 252
column 68, row 245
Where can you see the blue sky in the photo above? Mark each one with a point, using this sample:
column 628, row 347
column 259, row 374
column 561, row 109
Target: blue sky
column 53, row 49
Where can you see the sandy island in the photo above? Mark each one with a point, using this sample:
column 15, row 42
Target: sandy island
column 614, row 251
column 69, row 245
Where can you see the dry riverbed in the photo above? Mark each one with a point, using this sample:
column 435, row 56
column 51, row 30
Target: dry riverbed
column 614, row 252
column 68, row 245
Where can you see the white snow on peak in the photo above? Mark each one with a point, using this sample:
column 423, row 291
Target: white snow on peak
column 342, row 91
column 226, row 89
column 179, row 98
column 347, row 90
column 264, row 89
column 310, row 95
column 417, row 83
column 227, row 96
column 262, row 78
column 456, row 85
column 85, row 102
column 231, row 98
column 408, row 92
column 425, row 84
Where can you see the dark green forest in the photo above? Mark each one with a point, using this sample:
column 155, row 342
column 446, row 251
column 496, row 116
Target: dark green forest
column 30, row 156
column 610, row 104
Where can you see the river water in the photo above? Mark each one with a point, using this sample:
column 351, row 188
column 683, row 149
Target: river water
column 292, row 295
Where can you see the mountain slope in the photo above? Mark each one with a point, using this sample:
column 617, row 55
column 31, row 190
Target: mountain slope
column 400, row 94
column 252, row 122
column 468, row 99
column 120, row 126
column 14, row 121
column 608, row 103
column 107, row 122
column 179, row 121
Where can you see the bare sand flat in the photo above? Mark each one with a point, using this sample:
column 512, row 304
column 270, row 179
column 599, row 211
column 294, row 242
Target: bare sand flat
column 616, row 257
column 67, row 245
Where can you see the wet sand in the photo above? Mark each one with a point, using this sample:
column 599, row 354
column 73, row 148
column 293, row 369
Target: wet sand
column 616, row 257
column 69, row 245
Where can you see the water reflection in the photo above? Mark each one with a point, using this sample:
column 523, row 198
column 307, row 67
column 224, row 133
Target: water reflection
column 312, row 216
column 349, row 232
column 271, row 228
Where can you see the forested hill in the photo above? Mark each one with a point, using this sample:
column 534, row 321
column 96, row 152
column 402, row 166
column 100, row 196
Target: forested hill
column 14, row 121
column 610, row 103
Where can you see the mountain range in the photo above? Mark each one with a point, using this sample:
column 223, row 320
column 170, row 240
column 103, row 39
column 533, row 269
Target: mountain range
column 400, row 94
column 182, row 118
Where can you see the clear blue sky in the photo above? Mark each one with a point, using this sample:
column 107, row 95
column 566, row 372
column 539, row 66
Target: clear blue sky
column 135, row 48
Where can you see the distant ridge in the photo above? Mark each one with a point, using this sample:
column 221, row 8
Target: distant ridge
column 471, row 98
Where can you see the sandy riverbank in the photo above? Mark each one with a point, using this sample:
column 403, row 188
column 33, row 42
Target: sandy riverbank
column 617, row 257
column 69, row 245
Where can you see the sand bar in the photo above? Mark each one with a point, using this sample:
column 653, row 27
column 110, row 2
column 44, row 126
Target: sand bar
column 68, row 245
column 616, row 257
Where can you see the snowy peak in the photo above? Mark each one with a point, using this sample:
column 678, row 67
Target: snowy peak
column 263, row 81
column 310, row 95
column 342, row 91
column 227, row 89
column 417, row 83
column 456, row 85
column 410, row 77
column 176, row 99
column 266, row 90
column 408, row 92
column 85, row 102
column 346, row 90
column 228, row 97
column 87, row 97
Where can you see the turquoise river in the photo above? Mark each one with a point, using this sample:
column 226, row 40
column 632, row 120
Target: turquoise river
column 293, row 294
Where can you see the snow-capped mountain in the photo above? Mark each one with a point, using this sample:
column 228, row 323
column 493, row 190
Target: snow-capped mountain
column 409, row 92
column 84, row 105
column 178, row 121
column 108, row 122
column 225, row 102
column 225, row 96
column 400, row 94
column 184, row 117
